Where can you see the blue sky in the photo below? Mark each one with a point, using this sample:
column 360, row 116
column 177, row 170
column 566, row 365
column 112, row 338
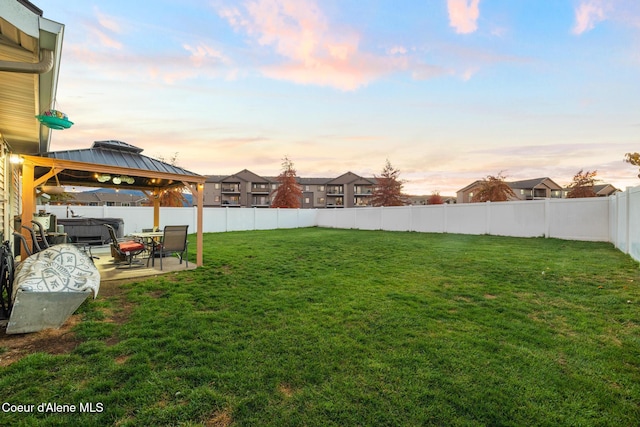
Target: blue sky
column 448, row 90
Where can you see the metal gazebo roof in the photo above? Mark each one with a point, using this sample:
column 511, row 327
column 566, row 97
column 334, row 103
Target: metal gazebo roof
column 147, row 172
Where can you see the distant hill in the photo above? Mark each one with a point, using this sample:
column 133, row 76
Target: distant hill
column 187, row 196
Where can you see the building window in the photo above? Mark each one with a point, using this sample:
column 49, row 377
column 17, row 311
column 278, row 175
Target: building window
column 216, row 199
column 217, row 186
column 320, row 187
column 321, row 200
column 306, row 200
column 306, row 188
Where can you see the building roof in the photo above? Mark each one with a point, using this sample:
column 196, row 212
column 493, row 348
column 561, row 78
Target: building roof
column 532, row 183
column 113, row 164
column 117, row 153
column 32, row 44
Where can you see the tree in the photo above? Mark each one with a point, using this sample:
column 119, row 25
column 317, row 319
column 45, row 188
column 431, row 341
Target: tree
column 289, row 193
column 582, row 185
column 388, row 192
column 435, row 199
column 633, row 158
column 173, row 197
column 493, row 189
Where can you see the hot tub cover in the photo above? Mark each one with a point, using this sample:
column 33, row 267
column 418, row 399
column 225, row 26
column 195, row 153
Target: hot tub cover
column 60, row 268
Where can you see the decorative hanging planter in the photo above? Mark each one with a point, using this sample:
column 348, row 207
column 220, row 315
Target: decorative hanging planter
column 55, row 119
column 53, row 189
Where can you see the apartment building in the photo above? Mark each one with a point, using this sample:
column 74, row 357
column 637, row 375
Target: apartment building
column 249, row 190
column 532, row 189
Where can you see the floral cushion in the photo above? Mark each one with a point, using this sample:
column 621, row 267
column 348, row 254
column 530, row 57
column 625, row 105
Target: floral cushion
column 60, row 268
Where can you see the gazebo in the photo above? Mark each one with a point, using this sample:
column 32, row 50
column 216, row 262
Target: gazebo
column 109, row 164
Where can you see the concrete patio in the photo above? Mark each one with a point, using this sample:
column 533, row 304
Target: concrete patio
column 109, row 270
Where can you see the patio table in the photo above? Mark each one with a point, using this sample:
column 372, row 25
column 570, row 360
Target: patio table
column 150, row 238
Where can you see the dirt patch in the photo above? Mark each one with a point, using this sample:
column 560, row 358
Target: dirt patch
column 489, row 296
column 62, row 340
column 220, row 419
column 286, row 390
column 52, row 341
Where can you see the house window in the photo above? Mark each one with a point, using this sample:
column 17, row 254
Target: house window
column 306, row 200
column 216, row 199
column 306, row 188
column 321, row 188
column 217, row 186
column 321, row 200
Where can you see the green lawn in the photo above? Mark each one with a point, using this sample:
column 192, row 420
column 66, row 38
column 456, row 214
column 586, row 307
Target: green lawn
column 321, row 327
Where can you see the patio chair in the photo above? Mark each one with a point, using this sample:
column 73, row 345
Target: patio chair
column 174, row 240
column 41, row 237
column 35, row 245
column 25, row 245
column 124, row 250
column 7, row 264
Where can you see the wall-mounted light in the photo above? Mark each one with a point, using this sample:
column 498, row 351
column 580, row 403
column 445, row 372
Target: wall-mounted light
column 15, row 159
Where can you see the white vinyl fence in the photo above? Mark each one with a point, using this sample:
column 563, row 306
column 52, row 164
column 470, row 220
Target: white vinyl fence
column 214, row 219
column 614, row 219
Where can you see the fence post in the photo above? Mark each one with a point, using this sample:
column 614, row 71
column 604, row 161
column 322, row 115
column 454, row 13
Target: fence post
column 628, row 222
column 547, row 218
column 487, row 216
column 411, row 218
column 444, row 217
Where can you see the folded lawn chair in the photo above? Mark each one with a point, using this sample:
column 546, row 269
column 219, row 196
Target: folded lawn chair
column 49, row 286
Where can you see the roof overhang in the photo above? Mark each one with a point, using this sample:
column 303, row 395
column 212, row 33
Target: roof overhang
column 24, row 34
column 80, row 174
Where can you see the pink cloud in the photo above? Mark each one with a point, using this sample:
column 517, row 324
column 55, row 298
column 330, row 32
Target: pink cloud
column 203, row 53
column 315, row 51
column 463, row 15
column 108, row 22
column 588, row 14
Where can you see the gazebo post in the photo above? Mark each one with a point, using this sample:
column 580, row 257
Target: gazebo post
column 199, row 240
column 156, row 208
column 28, row 202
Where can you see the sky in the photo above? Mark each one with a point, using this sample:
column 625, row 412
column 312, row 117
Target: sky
column 449, row 91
